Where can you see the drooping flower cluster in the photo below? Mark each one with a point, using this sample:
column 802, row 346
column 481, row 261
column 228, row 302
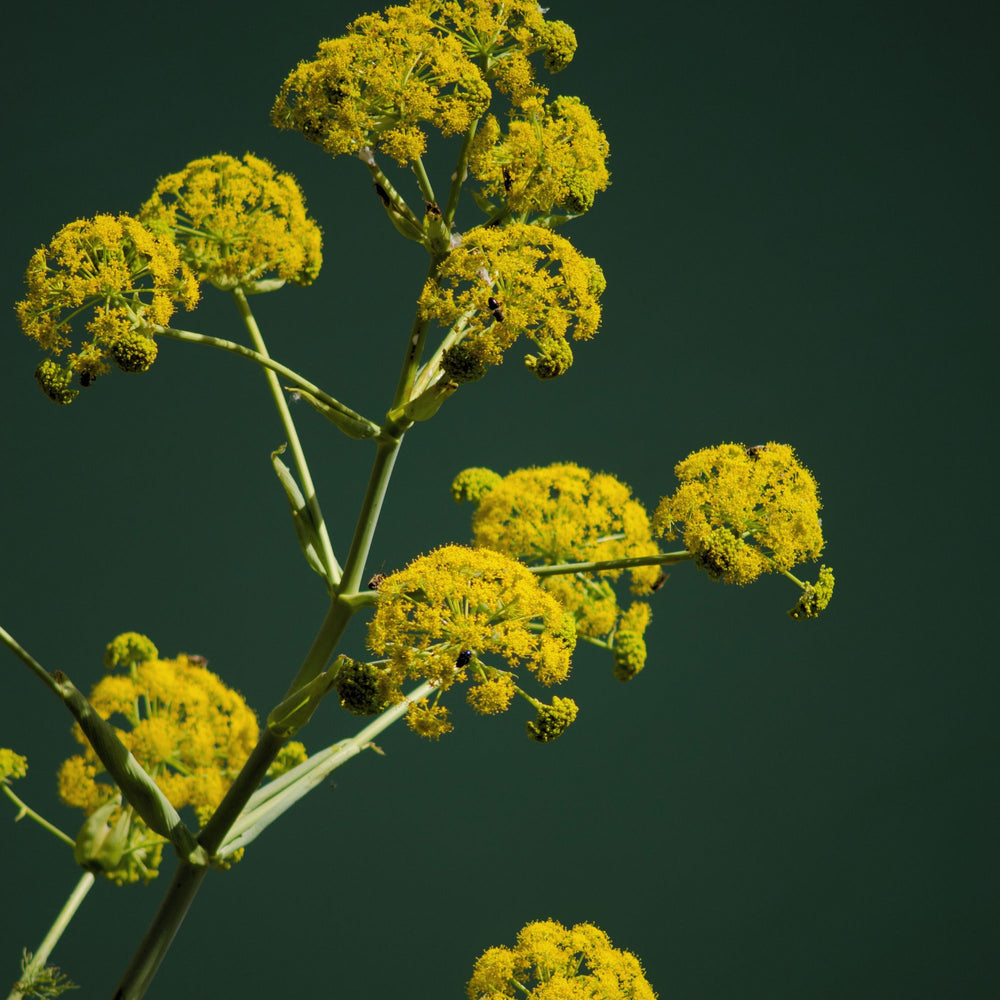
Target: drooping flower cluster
column 551, row 157
column 376, row 86
column 553, row 962
column 237, row 222
column 189, row 732
column 744, row 511
column 123, row 276
column 563, row 513
column 443, row 615
column 508, row 281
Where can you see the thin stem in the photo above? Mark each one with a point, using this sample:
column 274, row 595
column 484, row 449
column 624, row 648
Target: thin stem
column 50, row 940
column 458, row 178
column 330, row 564
column 414, row 348
column 23, row 809
column 794, row 579
column 245, row 352
column 423, row 181
column 660, row 559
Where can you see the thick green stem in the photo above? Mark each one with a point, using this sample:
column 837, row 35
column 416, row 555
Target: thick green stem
column 51, row 939
column 660, row 559
column 329, row 560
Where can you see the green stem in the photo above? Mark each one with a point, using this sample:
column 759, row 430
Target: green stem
column 397, row 200
column 461, row 171
column 60, row 924
column 424, row 181
column 414, row 348
column 329, row 560
column 23, row 809
column 794, row 579
column 660, row 559
column 278, row 796
column 245, row 352
column 32, row 664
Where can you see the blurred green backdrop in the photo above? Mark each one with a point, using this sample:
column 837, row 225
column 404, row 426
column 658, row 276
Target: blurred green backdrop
column 798, row 244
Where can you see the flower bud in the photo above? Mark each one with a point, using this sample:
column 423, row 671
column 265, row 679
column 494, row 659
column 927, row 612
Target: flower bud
column 552, row 720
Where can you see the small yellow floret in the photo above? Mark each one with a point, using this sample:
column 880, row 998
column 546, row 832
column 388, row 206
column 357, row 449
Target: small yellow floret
column 12, row 765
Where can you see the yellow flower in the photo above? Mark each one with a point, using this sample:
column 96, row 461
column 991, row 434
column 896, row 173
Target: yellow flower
column 123, row 275
column 12, row 765
column 815, row 597
column 552, row 962
column 500, row 37
column 190, row 732
column 505, row 281
column 237, row 222
column 375, row 86
column 552, row 157
column 445, row 610
column 744, row 511
column 563, row 513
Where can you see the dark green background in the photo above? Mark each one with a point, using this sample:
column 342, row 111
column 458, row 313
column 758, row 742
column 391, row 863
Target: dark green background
column 798, row 244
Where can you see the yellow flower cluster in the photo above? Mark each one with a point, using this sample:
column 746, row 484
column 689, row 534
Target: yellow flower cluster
column 744, row 511
column 552, row 962
column 189, row 732
column 120, row 272
column 499, row 38
column 375, row 86
column 237, row 222
column 503, row 282
column 438, row 616
column 814, row 597
column 12, row 765
column 563, row 513
column 552, row 156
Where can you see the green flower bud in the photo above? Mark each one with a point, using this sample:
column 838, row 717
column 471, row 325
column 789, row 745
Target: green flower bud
column 360, row 687
column 463, row 362
column 552, row 720
column 12, row 765
column 133, row 351
column 630, row 655
column 54, row 381
column 558, row 40
column 554, row 358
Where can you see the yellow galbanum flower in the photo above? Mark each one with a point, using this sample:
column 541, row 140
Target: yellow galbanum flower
column 744, row 511
column 500, row 36
column 378, row 85
column 552, row 157
column 12, row 765
column 120, row 274
column 562, row 513
column 188, row 730
column 542, row 287
column 237, row 222
column 553, row 962
column 436, row 617
column 815, row 596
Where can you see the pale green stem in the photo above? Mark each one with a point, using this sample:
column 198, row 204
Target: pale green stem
column 794, row 579
column 393, row 195
column 329, row 560
column 660, row 559
column 32, row 664
column 278, row 796
column 458, row 178
column 424, row 181
column 414, row 349
column 296, row 380
column 60, row 924
column 23, row 809
column 430, row 371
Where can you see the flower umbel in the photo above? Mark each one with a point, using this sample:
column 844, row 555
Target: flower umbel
column 744, row 511
column 379, row 84
column 508, row 281
column 553, row 962
column 120, row 273
column 237, row 222
column 188, row 730
column 437, row 618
